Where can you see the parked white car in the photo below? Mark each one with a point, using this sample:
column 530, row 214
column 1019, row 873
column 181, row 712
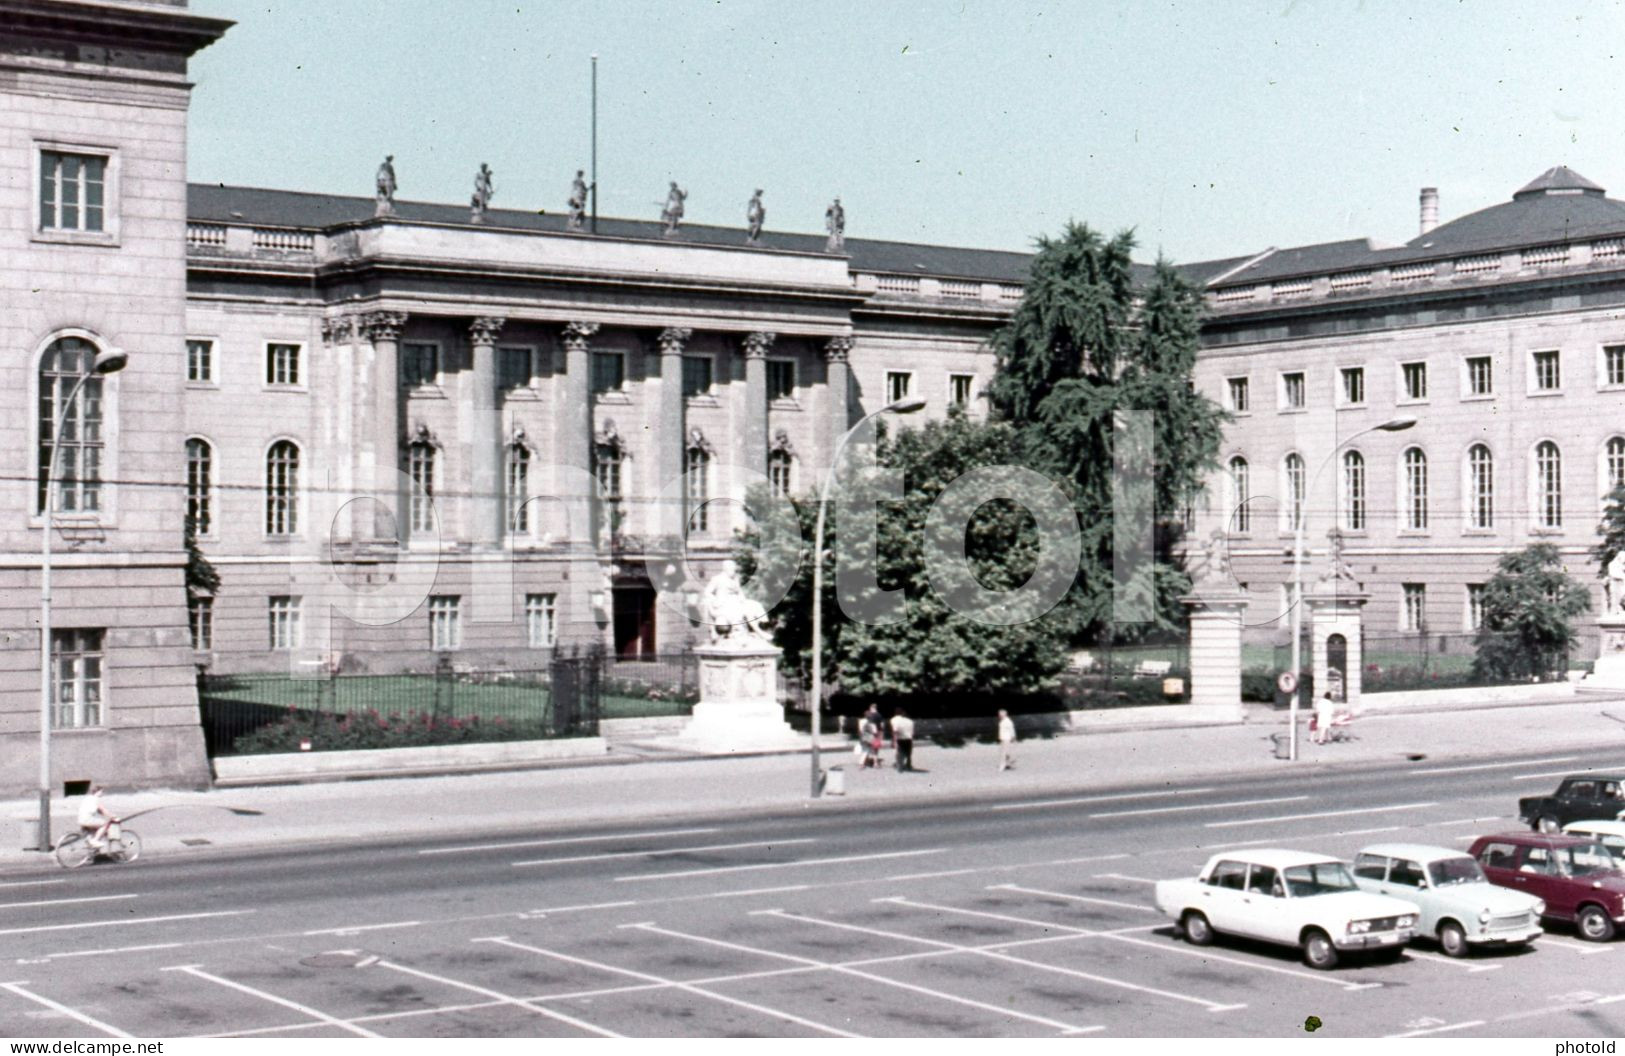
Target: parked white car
column 1611, row 833
column 1289, row 897
column 1459, row 905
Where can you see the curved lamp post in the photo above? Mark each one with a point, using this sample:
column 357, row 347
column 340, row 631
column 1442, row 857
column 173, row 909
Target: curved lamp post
column 907, row 405
column 1393, row 425
column 110, row 361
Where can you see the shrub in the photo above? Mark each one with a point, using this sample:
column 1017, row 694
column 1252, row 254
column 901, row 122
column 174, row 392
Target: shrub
column 371, row 729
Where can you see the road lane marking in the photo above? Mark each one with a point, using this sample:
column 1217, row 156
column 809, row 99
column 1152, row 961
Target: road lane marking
column 126, row 923
column 1469, row 821
column 1117, row 936
column 304, row 1010
column 1317, row 814
column 32, row 883
column 687, row 988
column 17, row 988
column 1072, row 898
column 1054, row 1024
column 1123, row 876
column 1139, row 811
column 578, row 909
column 1072, row 973
column 777, row 865
column 1061, row 861
column 1494, row 766
column 1371, row 832
column 561, row 841
column 615, row 855
column 65, row 901
column 355, row 929
column 1439, row 1030
column 507, row 999
column 116, row 949
column 1565, row 773
column 932, row 876
column 1080, row 800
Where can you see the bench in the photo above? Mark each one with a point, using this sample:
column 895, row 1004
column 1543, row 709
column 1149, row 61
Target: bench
column 1153, row 668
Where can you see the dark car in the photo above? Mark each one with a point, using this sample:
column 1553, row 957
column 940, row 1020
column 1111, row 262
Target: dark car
column 1583, row 797
column 1574, row 875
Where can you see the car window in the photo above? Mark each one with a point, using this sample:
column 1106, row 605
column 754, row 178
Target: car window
column 1585, row 861
column 1449, row 871
column 1405, row 873
column 1371, row 867
column 1610, row 790
column 1583, row 790
column 1537, row 860
column 1229, row 875
column 1499, row 856
column 1321, row 878
column 1261, row 880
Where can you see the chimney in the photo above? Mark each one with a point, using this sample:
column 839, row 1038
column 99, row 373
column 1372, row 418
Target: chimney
column 1430, row 209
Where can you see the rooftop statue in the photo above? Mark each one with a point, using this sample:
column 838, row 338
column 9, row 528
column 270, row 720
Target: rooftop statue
column 672, row 214
column 835, row 224
column 481, row 201
column 755, row 215
column 578, row 201
column 386, row 187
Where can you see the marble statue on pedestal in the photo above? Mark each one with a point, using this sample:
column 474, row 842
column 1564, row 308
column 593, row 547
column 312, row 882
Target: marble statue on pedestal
column 731, row 618
column 1614, row 586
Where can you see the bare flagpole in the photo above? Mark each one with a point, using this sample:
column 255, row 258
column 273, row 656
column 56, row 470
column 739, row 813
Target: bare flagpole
column 595, row 142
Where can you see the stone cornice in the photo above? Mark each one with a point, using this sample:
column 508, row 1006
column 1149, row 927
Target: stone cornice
column 171, row 29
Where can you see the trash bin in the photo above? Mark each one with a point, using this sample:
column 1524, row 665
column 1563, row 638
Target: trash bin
column 1283, row 745
column 835, row 781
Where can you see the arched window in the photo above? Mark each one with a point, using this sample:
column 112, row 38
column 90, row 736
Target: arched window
column 518, row 489
column 778, row 473
column 199, row 480
column 1416, row 489
column 1354, row 491
column 1294, row 487
column 1614, row 454
column 1480, row 487
column 420, row 457
column 282, row 488
column 1241, row 519
column 79, row 447
column 697, row 487
column 1548, row 497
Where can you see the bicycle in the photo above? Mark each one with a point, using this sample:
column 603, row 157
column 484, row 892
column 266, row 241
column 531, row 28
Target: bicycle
column 74, row 849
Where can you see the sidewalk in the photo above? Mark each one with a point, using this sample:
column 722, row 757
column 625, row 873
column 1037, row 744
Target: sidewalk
column 664, row 789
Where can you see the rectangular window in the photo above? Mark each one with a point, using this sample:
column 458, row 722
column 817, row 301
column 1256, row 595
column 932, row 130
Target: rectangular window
column 200, row 616
column 1547, row 371
column 1353, row 386
column 76, row 678
column 72, row 191
column 1413, row 615
column 1480, row 380
column 1415, row 377
column 541, row 620
column 445, row 622
column 281, row 364
column 285, row 627
column 199, row 360
column 1294, row 393
column 514, row 367
column 1475, row 606
column 696, row 376
column 1613, row 365
column 898, row 384
column 781, row 379
column 608, row 371
column 607, row 468
column 779, row 469
column 960, row 388
column 420, row 364
column 1238, row 395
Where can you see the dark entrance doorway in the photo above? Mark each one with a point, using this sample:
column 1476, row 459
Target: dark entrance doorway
column 1337, row 666
column 634, row 622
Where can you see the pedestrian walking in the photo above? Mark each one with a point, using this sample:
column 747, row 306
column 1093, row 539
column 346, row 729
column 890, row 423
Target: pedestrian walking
column 1325, row 712
column 902, row 736
column 1007, row 741
column 870, row 732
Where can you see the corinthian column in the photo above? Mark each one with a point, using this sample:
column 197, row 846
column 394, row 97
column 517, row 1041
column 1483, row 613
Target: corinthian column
column 381, row 444
column 485, row 435
column 752, row 436
column 669, row 429
column 573, row 425
column 837, row 393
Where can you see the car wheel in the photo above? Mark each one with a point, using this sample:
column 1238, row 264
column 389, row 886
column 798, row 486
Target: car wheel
column 1198, row 932
column 1318, row 951
column 1548, row 824
column 1453, row 940
column 1594, row 925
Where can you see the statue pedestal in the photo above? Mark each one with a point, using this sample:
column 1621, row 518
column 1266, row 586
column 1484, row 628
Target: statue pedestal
column 1216, row 617
column 738, row 709
column 1609, row 671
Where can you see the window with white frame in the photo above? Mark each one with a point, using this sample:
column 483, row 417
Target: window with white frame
column 541, row 620
column 72, row 191
column 287, row 631
column 1545, row 371
column 1475, row 606
column 1354, row 491
column 697, row 488
column 1614, row 462
column 420, row 364
column 898, row 384
column 1415, row 496
column 1414, row 380
column 282, row 363
column 1239, row 396
column 608, row 372
column 420, row 459
column 1480, row 488
column 1353, row 386
column 781, row 379
column 200, row 619
column 961, row 388
column 445, row 622
column 1480, row 376
column 1613, row 365
column 696, row 376
column 282, row 489
column 1292, row 485
column 199, row 360
column 1413, row 613
column 1548, row 497
column 518, row 493
column 77, row 678
column 1294, row 391
column 1241, row 518
column 779, row 467
column 515, row 369
column 199, row 482
column 80, row 447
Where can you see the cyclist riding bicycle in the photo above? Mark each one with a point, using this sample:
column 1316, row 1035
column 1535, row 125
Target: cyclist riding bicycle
column 94, row 820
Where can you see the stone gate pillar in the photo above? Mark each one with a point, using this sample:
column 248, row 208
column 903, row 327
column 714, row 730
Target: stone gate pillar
column 1216, row 611
column 1335, row 609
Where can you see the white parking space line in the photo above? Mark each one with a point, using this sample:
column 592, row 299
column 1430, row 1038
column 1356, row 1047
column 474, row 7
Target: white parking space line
column 578, row 909
column 1439, row 1030
column 506, row 999
column 687, row 988
column 564, row 840
column 1138, row 907
column 356, row 929
column 1371, row 832
column 1584, row 949
column 932, row 876
column 65, row 901
column 663, row 852
column 1117, row 936
column 17, row 988
column 1080, row 800
column 1139, row 811
column 1054, row 1024
column 1065, row 861
column 1123, row 876
column 126, row 923
column 1494, row 766
column 304, row 1010
column 1464, row 965
column 1470, row 821
column 1236, row 823
column 777, row 865
column 1547, row 775
column 1072, row 973
column 116, row 949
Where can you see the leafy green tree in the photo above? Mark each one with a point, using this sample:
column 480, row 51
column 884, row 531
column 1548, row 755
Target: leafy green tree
column 1612, row 529
column 1527, row 608
column 201, row 578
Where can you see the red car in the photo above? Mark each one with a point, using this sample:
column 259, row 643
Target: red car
column 1575, row 875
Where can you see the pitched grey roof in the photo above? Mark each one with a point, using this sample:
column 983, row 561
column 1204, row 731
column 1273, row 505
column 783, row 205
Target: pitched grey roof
column 1557, row 179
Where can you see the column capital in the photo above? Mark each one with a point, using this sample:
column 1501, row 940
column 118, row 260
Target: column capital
column 673, row 339
column 757, row 345
column 338, row 329
column 485, row 329
column 578, row 335
column 836, row 349
column 383, row 326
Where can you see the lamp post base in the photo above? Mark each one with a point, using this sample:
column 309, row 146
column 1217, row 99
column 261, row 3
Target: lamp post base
column 43, row 835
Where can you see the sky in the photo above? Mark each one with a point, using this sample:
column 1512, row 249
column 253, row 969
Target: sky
column 1212, row 129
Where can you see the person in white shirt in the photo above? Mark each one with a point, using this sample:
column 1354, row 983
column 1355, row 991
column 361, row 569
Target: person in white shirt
column 1007, row 741
column 94, row 819
column 902, row 735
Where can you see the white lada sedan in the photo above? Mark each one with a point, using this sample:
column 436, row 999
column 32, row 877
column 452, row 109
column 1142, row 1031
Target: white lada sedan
column 1289, row 897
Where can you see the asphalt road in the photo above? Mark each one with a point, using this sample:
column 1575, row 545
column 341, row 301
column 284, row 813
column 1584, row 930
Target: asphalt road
column 1010, row 917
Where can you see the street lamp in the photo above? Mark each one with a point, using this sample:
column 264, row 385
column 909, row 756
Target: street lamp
column 906, row 405
column 1393, row 425
column 110, row 361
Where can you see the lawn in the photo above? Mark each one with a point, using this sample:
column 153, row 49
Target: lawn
column 405, row 694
